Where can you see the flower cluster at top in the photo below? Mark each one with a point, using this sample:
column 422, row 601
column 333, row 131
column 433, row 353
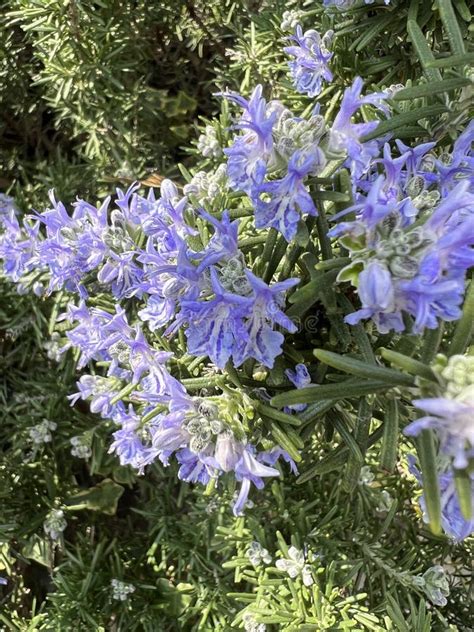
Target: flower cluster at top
column 410, row 235
column 277, row 153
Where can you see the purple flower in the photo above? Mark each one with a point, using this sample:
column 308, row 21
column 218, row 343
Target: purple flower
column 168, row 432
column 159, row 218
column 101, row 391
column 18, row 248
column 195, row 468
column 250, row 470
column 279, row 203
column 143, row 358
column 299, row 378
column 345, row 135
column 272, row 457
column 258, row 339
column 310, row 66
column 215, row 326
column 158, row 312
column 250, row 153
column 73, row 245
column 96, row 332
column 453, row 420
column 223, row 243
column 377, row 296
column 460, row 162
column 127, row 444
column 228, row 451
column 122, row 274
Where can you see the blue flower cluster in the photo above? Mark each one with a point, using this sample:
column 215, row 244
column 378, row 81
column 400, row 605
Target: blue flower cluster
column 276, row 153
column 411, row 236
column 17, row 242
column 186, row 274
column 227, row 311
column 141, row 249
column 207, row 436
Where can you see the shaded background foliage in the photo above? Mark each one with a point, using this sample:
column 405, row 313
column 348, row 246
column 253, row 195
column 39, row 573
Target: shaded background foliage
column 97, row 94
column 98, row 90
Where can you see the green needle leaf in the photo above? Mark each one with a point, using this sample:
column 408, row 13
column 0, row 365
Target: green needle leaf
column 427, row 89
column 341, row 390
column 362, row 369
column 414, row 367
column 451, row 26
column 335, row 460
column 388, row 457
column 465, row 326
column 463, row 484
column 278, row 415
column 423, row 51
column 402, row 120
column 425, row 445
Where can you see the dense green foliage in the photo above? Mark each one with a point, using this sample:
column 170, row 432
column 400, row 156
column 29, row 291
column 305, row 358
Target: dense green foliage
column 98, row 94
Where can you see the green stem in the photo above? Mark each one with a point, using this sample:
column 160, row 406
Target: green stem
column 267, row 251
column 465, row 326
column 194, row 384
column 323, row 228
column 123, row 393
column 431, row 344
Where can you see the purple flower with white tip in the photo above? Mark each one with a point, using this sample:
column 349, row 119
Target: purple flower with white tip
column 259, row 340
column 250, row 470
column 250, row 153
column 228, row 451
column 345, row 136
column 280, row 203
column 310, row 67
